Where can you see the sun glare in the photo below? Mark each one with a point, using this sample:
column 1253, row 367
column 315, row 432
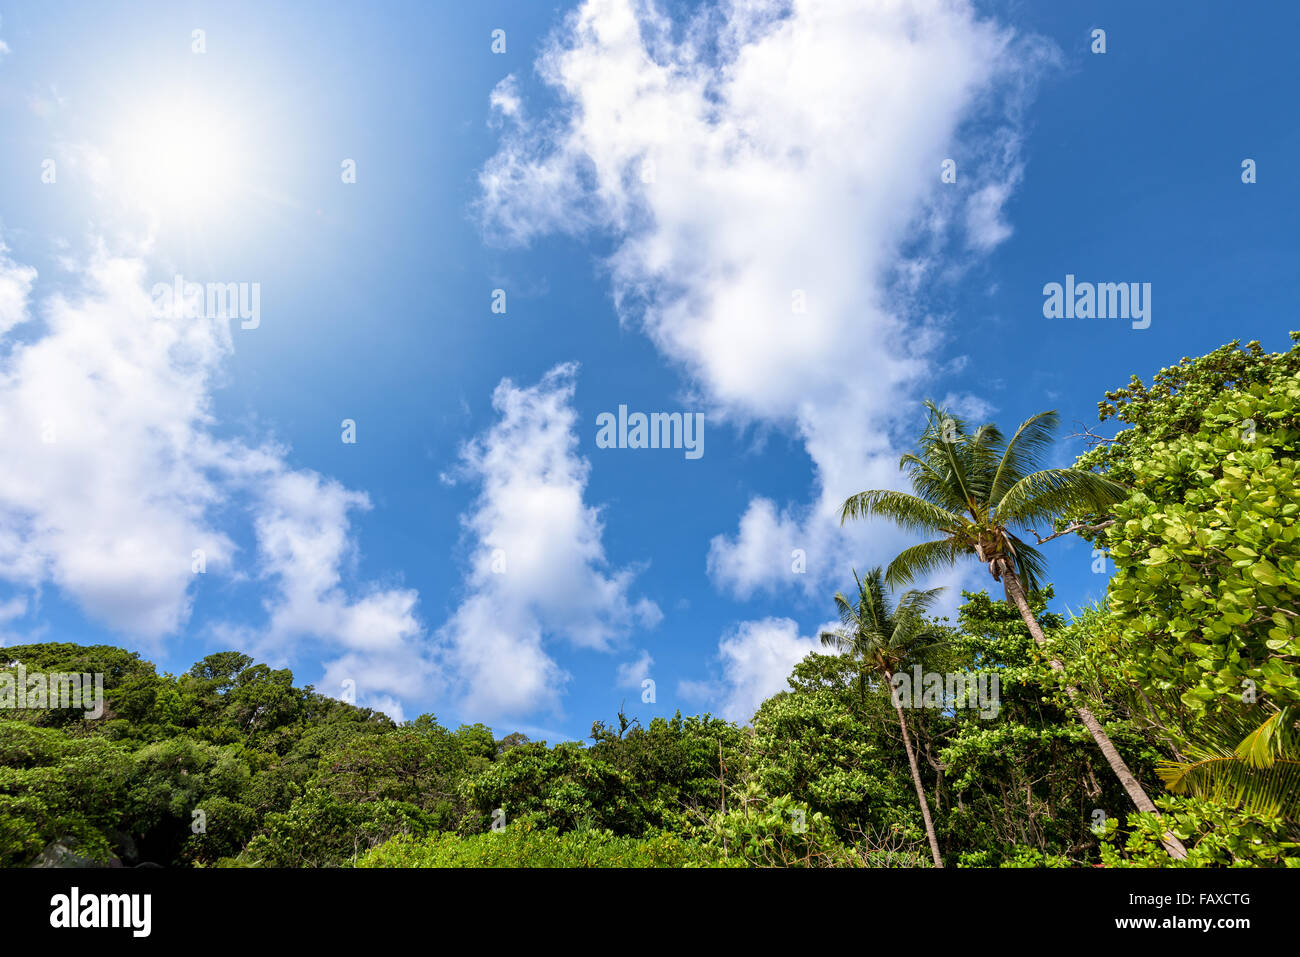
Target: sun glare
column 179, row 159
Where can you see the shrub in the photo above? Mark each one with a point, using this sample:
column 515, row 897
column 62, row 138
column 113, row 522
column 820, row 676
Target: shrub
column 521, row 845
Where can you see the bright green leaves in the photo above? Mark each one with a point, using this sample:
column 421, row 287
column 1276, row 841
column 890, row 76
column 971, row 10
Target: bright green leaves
column 1218, row 835
column 1264, row 572
column 1208, row 553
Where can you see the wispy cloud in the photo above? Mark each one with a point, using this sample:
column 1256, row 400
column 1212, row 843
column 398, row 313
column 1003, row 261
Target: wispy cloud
column 630, row 674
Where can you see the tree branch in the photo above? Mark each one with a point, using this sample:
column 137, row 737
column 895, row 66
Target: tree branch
column 1087, row 433
column 1076, row 527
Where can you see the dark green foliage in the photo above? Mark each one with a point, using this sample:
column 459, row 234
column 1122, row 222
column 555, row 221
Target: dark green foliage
column 53, row 786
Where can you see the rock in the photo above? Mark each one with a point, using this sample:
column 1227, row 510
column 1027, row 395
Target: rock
column 124, row 844
column 63, row 853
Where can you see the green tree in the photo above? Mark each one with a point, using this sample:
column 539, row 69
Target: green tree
column 881, row 636
column 677, row 766
column 975, row 488
column 830, row 746
column 1027, row 783
column 1207, row 555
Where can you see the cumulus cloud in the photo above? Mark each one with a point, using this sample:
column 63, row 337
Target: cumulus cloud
column 756, row 658
column 109, row 479
column 769, row 545
column 538, row 570
column 770, row 174
column 115, row 486
column 304, row 544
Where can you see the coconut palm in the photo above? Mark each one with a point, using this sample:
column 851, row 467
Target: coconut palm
column 974, row 489
column 880, row 638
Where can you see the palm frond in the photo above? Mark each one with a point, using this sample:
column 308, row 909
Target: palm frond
column 1271, row 740
column 874, row 608
column 908, row 511
column 1050, row 494
column 847, row 611
column 944, row 439
column 1226, row 779
column 916, row 603
column 984, row 450
column 839, row 640
column 1022, row 453
column 931, row 485
column 1234, row 758
column 914, row 562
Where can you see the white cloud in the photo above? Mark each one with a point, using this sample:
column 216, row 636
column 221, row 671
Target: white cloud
column 109, row 467
column 984, row 223
column 304, row 544
column 763, row 551
column 389, row 706
column 756, row 659
column 790, row 162
column 11, row 609
column 537, row 567
column 15, row 286
column 630, row 674
column 504, row 98
column 15, row 607
column 970, row 407
column 113, row 479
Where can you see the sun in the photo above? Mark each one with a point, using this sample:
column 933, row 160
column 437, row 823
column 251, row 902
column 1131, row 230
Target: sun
column 179, row 158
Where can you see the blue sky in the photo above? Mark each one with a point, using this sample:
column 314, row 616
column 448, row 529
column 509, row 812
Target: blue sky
column 657, row 190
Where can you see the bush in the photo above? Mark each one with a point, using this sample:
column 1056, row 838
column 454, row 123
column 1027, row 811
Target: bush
column 320, row 831
column 779, row 832
column 521, row 845
column 1216, row 836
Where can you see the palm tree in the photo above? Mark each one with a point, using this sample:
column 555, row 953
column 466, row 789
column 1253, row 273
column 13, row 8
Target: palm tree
column 972, row 489
column 880, row 638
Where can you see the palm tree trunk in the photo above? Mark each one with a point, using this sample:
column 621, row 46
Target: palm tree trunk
column 916, row 776
column 1016, row 593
